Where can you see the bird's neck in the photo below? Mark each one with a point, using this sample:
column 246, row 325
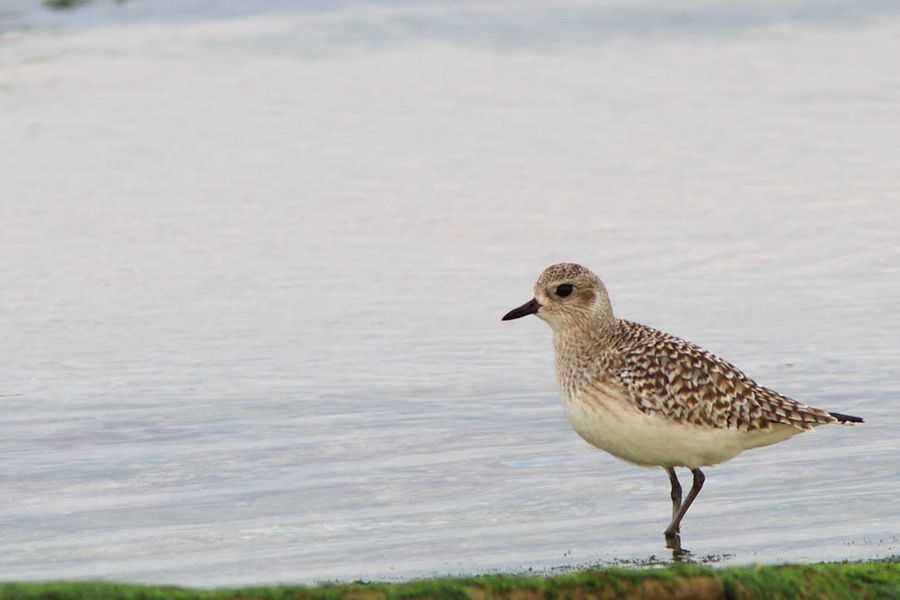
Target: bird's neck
column 580, row 353
column 572, row 342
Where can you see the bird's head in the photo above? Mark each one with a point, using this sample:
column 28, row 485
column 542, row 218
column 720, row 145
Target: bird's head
column 567, row 296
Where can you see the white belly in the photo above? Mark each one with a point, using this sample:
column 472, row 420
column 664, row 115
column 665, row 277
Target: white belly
column 616, row 426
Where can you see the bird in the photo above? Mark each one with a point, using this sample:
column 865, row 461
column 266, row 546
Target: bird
column 653, row 399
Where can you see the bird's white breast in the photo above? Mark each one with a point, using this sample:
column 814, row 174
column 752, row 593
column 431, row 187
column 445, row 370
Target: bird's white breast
column 605, row 418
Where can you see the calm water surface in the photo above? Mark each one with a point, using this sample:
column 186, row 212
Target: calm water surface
column 254, row 259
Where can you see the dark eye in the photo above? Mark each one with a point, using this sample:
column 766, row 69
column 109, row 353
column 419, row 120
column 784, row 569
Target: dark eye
column 563, row 290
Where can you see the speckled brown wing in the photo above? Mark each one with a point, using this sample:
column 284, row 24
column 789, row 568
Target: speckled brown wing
column 680, row 381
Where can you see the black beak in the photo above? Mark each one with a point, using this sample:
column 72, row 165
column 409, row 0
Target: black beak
column 529, row 308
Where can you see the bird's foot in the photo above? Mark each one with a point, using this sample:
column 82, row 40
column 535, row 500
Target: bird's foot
column 673, row 543
column 680, row 554
column 673, row 540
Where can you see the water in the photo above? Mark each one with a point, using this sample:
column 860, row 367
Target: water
column 255, row 254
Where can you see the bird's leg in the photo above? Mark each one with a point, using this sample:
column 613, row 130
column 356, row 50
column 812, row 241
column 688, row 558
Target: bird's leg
column 672, row 539
column 674, row 526
column 676, row 491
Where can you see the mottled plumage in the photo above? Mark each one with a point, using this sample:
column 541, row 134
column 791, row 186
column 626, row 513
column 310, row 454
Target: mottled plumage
column 682, row 382
column 651, row 398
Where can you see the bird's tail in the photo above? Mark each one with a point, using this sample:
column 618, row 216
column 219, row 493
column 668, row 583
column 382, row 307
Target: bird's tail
column 846, row 418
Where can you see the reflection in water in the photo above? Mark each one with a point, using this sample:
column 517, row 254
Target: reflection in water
column 64, row 4
column 250, row 313
column 679, row 554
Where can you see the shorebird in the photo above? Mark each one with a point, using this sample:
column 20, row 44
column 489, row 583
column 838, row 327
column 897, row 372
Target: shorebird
column 650, row 398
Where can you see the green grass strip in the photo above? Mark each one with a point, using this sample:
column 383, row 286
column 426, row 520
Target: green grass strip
column 877, row 580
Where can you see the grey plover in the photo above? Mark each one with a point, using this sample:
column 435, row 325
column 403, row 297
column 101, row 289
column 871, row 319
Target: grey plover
column 650, row 398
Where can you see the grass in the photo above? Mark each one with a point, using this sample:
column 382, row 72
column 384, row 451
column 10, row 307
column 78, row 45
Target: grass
column 877, row 580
